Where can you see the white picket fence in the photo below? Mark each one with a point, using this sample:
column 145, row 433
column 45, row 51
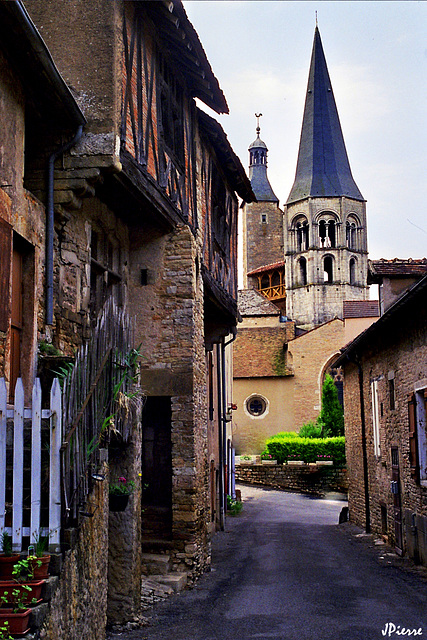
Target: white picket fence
column 18, row 413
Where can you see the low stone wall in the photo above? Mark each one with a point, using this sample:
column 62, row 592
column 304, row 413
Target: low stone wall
column 307, row 478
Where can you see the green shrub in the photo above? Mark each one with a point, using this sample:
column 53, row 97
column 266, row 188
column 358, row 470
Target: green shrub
column 308, row 449
column 310, row 430
column 331, row 415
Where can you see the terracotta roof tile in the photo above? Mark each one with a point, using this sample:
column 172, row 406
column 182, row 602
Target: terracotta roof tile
column 361, row 309
column 397, row 267
column 267, row 267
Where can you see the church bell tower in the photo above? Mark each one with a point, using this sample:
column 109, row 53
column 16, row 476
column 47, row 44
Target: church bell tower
column 325, row 215
column 262, row 220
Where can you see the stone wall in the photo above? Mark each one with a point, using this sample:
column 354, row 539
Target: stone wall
column 124, row 533
column 398, row 352
column 262, row 241
column 78, row 606
column 307, row 478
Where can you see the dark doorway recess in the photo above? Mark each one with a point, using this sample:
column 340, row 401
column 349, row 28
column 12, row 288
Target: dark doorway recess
column 157, row 468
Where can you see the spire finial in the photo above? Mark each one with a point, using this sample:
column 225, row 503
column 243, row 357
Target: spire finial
column 316, row 20
column 258, row 129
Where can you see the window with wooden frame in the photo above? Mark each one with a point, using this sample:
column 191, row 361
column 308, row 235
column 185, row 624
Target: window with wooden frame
column 105, row 272
column 417, row 420
column 171, row 111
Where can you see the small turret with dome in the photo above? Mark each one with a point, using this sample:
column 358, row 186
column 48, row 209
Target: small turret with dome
column 263, row 219
column 258, row 168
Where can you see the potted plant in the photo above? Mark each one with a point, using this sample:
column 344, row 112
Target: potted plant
column 39, row 557
column 23, row 580
column 323, row 461
column 7, row 558
column 294, row 461
column 4, row 631
column 16, row 613
column 266, row 458
column 119, row 493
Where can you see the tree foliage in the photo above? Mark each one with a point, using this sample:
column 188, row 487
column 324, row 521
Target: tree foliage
column 331, row 416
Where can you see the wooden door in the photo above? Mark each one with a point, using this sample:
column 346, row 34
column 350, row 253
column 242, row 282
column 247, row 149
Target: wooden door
column 397, row 503
column 16, row 320
column 157, row 467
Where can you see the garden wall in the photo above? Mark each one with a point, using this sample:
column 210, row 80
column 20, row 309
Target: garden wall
column 307, row 478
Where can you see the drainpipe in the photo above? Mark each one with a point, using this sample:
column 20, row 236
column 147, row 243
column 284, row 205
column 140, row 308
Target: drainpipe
column 224, row 412
column 50, row 222
column 222, row 430
column 364, row 449
column 220, row 438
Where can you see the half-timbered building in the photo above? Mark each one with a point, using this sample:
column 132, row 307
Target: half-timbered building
column 145, row 210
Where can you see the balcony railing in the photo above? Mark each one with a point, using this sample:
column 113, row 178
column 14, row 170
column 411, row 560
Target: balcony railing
column 276, row 292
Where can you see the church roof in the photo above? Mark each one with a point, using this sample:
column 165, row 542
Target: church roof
column 258, row 171
column 323, row 168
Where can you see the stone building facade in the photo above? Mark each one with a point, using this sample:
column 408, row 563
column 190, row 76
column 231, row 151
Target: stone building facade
column 385, row 395
column 144, row 205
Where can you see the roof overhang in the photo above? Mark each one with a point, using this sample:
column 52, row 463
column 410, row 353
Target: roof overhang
column 179, row 37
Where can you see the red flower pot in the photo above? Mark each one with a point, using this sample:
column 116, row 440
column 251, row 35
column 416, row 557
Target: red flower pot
column 6, row 565
column 36, row 588
column 42, row 570
column 18, row 622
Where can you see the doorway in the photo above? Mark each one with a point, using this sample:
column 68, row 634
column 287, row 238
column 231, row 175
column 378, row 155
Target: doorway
column 157, row 468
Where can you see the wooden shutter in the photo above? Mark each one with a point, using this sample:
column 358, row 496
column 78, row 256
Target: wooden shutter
column 413, row 439
column 5, row 264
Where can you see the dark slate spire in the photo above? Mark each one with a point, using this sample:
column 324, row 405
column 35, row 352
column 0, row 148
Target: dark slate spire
column 258, row 169
column 323, row 168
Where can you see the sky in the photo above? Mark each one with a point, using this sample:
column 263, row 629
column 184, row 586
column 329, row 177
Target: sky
column 376, row 54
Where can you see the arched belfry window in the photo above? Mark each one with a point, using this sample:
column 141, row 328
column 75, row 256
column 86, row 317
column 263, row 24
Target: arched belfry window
column 327, row 233
column 351, row 229
column 328, row 269
column 302, row 263
column 352, row 268
column 301, row 234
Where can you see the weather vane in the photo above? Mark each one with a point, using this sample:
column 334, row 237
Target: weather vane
column 258, row 116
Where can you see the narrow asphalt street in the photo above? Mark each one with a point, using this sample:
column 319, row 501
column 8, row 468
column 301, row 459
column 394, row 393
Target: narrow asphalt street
column 285, row 570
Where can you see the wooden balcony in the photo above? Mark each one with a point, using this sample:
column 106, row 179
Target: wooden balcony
column 276, row 292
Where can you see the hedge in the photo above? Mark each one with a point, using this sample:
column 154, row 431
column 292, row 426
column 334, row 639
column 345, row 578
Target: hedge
column 283, row 447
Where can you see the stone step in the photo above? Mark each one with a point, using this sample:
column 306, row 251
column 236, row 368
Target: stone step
column 155, row 563
column 177, row 581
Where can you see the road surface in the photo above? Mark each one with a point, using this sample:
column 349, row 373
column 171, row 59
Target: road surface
column 285, row 570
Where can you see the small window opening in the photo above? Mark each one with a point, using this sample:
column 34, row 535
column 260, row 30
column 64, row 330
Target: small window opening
column 327, row 269
column 391, row 392
column 303, row 271
column 264, row 219
column 144, row 277
column 352, row 271
column 256, row 406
